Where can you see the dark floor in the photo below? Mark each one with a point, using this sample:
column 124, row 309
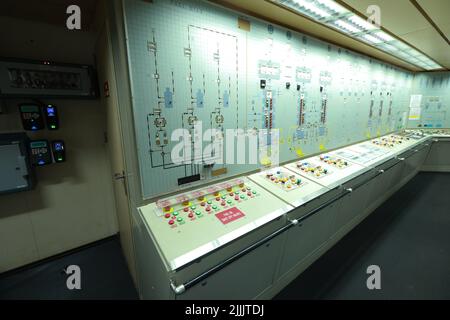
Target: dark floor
column 104, row 275
column 408, row 237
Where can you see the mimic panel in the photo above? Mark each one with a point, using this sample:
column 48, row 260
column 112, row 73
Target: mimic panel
column 190, row 63
column 433, row 109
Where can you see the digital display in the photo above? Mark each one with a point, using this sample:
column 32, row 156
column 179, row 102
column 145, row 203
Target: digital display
column 29, row 108
column 38, row 144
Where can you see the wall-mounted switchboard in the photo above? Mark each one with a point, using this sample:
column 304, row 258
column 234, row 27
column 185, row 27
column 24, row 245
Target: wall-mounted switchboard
column 205, row 69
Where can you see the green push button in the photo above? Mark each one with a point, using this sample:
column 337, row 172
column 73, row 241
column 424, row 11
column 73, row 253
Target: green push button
column 242, row 197
column 179, row 219
column 198, row 213
column 254, row 192
column 229, row 201
column 209, row 201
column 214, row 207
column 175, row 213
column 193, row 207
column 224, row 197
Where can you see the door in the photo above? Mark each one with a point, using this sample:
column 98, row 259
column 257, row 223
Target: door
column 108, row 95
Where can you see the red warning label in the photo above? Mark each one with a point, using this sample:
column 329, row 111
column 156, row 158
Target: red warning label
column 229, row 215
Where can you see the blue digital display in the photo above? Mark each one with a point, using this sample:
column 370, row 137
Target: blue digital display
column 58, row 146
column 50, row 111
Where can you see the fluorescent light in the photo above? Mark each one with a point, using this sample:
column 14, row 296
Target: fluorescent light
column 384, row 36
column 310, row 6
column 401, row 46
column 333, row 6
column 347, row 26
column 388, row 47
column 362, row 23
column 371, row 39
column 331, row 14
column 415, row 53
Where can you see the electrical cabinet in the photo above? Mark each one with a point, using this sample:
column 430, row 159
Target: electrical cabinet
column 246, row 278
column 15, row 169
column 308, row 236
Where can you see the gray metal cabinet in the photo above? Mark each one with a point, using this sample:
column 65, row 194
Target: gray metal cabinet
column 438, row 157
column 354, row 204
column 383, row 183
column 245, row 278
column 308, row 236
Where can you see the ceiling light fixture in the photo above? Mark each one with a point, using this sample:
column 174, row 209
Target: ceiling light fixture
column 332, row 14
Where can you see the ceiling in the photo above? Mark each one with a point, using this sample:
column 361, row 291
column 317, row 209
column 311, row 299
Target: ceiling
column 423, row 24
column 49, row 11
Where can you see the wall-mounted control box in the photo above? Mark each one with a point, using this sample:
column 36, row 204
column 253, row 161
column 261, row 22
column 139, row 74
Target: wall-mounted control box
column 40, row 152
column 59, row 151
column 51, row 117
column 31, row 115
column 15, row 168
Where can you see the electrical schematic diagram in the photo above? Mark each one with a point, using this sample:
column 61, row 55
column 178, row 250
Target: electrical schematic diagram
column 194, row 71
column 434, row 101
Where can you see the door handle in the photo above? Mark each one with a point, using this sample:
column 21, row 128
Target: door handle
column 122, row 176
column 119, row 176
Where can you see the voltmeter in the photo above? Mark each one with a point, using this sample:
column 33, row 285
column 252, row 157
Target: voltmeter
column 40, row 152
column 51, row 117
column 31, row 115
column 59, row 151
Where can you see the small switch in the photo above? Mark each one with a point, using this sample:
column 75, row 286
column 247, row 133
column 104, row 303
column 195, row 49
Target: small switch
column 262, row 84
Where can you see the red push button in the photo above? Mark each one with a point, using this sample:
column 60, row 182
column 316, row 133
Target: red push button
column 190, row 215
column 208, row 208
column 236, row 197
column 167, row 215
column 171, row 222
column 203, row 204
column 223, row 203
column 186, row 209
column 218, row 199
